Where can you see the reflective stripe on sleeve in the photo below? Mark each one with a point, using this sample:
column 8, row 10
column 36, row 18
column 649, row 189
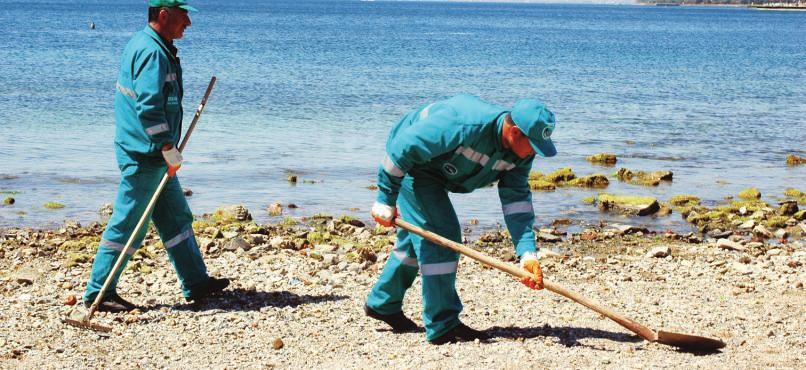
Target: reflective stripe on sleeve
column 503, row 165
column 404, row 258
column 179, row 238
column 424, row 112
column 443, row 268
column 170, row 77
column 391, row 168
column 125, row 91
column 473, row 155
column 518, row 207
column 157, row 129
column 117, row 246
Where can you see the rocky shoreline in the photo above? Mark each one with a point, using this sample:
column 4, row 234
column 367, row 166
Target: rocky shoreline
column 299, row 286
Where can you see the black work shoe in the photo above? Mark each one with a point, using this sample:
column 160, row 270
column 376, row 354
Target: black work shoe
column 112, row 302
column 213, row 286
column 398, row 321
column 461, row 333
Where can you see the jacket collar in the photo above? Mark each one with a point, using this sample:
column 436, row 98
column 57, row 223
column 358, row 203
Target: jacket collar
column 169, row 48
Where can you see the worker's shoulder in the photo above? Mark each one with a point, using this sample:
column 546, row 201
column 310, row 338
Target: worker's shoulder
column 472, row 110
column 142, row 43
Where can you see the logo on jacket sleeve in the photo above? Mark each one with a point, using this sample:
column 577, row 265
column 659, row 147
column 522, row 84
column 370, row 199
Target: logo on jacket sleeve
column 449, row 169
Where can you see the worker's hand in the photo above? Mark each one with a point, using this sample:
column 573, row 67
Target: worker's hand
column 383, row 214
column 173, row 158
column 529, row 263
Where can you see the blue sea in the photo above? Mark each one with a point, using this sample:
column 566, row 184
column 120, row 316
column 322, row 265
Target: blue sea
column 715, row 94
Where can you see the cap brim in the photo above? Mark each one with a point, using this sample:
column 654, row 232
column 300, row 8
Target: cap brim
column 545, row 148
column 188, row 8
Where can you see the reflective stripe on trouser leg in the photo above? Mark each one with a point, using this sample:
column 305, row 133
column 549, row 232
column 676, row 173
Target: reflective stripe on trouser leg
column 137, row 185
column 425, row 203
column 174, row 222
column 398, row 274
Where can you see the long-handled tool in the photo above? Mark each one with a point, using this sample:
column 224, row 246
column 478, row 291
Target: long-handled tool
column 84, row 322
column 690, row 342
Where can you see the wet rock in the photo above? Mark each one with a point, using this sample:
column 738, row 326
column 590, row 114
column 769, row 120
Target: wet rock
column 629, row 205
column 561, row 175
column 275, row 209
column 106, row 210
column 8, row 201
column 233, row 213
column 684, row 200
column 794, row 160
column 542, row 185
column 788, row 208
column 292, row 206
column 800, row 215
column 607, row 159
column 643, row 178
column 491, row 237
column 591, row 181
column 292, row 179
column 659, row 252
column 719, row 234
column 629, row 229
column 187, row 192
column 53, row 205
column 730, row 245
column 750, row 193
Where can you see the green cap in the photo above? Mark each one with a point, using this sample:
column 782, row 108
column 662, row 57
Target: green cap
column 537, row 122
column 182, row 4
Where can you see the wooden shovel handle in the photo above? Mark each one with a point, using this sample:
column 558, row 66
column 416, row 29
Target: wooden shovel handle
column 633, row 326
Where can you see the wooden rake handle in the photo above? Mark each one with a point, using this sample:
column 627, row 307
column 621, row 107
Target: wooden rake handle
column 633, row 326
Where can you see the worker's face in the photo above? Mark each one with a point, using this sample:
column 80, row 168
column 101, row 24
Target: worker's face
column 515, row 140
column 174, row 21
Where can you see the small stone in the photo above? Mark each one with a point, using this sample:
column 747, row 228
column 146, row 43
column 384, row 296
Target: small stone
column 187, row 192
column 275, row 209
column 730, row 245
column 781, row 234
column 277, row 343
column 762, row 231
column 747, row 225
column 8, row 201
column 237, row 243
column 473, row 221
column 292, row 179
column 70, row 300
column 659, row 252
column 67, row 285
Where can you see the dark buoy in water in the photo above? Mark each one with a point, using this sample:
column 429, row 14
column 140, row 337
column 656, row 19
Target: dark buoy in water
column 92, row 25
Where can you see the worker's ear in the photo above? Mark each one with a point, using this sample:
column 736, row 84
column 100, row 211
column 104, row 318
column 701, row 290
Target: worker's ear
column 164, row 15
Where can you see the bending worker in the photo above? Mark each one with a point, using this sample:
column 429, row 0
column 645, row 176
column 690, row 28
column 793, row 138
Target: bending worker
column 455, row 145
column 148, row 116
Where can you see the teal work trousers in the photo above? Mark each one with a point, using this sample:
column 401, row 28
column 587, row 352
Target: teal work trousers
column 172, row 218
column 424, row 203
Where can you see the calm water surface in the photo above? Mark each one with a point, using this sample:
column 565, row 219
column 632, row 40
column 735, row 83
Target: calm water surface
column 716, row 95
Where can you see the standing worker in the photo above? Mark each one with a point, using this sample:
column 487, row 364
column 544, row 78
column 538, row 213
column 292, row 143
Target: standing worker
column 148, row 116
column 455, row 145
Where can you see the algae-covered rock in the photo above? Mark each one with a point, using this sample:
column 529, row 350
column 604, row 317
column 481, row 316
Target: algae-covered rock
column 561, row 175
column 541, row 185
column 629, row 205
column 788, row 208
column 750, row 193
column 591, row 181
column 292, row 179
column 643, row 178
column 233, row 213
column 534, row 175
column 53, row 205
column 603, row 158
column 793, row 193
column 8, row 201
column 776, row 221
column 684, row 200
column 589, row 200
column 76, row 258
column 800, row 215
column 794, row 160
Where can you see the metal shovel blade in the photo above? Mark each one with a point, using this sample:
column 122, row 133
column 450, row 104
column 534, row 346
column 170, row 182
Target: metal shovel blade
column 81, row 321
column 689, row 342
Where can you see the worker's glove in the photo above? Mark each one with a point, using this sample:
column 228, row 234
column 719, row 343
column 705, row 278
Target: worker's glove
column 173, row 158
column 383, row 214
column 529, row 263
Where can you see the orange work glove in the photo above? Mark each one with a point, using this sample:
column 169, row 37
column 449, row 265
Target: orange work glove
column 529, row 263
column 173, row 158
column 383, row 214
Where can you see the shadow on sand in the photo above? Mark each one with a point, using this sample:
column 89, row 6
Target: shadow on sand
column 243, row 300
column 568, row 336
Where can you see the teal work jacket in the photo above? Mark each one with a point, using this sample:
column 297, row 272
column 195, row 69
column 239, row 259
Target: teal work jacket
column 457, row 142
column 148, row 100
